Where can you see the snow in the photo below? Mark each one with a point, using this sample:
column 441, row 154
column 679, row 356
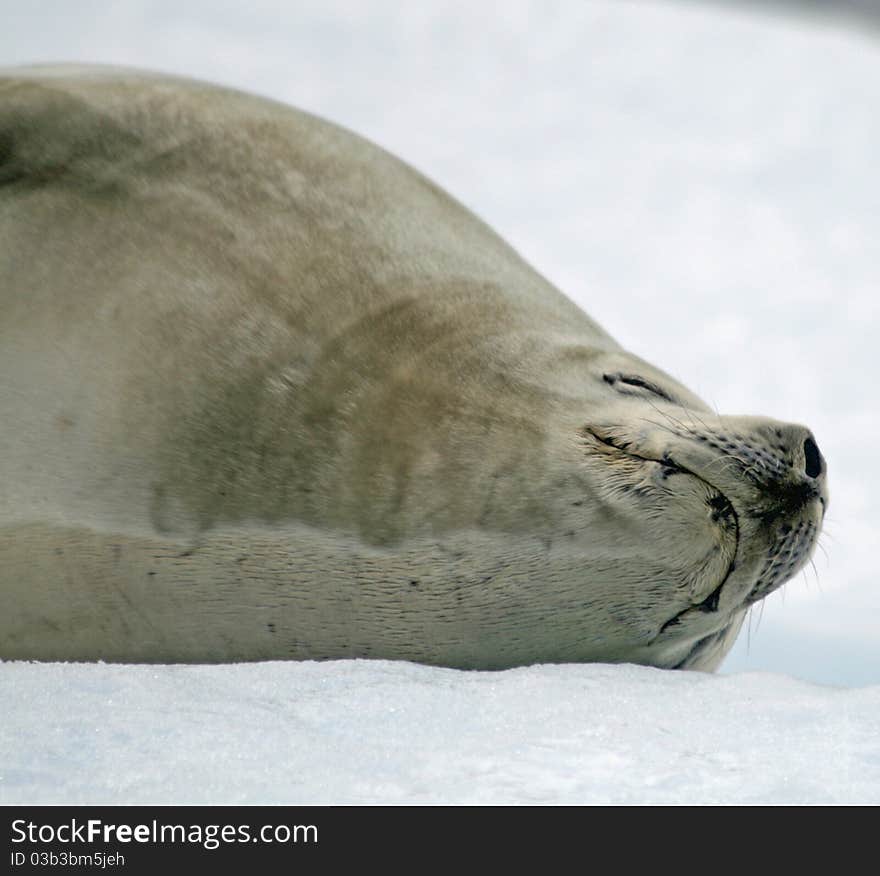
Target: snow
column 381, row 732
column 703, row 180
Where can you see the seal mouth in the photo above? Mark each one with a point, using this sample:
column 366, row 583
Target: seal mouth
column 721, row 506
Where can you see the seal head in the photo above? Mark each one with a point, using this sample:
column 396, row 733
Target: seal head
column 728, row 508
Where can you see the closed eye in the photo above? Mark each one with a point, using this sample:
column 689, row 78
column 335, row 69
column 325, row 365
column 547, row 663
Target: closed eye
column 639, row 382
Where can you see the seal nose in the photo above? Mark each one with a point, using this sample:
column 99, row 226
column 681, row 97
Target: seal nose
column 804, row 481
column 780, row 461
column 813, row 461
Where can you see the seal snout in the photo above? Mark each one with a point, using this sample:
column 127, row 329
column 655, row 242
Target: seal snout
column 791, row 487
column 780, row 489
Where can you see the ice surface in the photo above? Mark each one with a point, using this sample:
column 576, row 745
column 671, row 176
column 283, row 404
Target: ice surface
column 381, row 732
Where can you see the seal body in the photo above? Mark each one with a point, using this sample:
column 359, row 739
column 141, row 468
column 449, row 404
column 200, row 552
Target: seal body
column 268, row 393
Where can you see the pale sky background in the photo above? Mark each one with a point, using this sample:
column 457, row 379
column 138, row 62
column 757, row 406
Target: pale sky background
column 702, row 178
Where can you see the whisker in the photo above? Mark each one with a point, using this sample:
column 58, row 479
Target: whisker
column 694, row 416
column 816, row 573
column 669, row 417
column 826, row 532
column 731, row 461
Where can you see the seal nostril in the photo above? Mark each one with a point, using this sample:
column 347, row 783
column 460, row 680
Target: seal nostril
column 812, row 458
